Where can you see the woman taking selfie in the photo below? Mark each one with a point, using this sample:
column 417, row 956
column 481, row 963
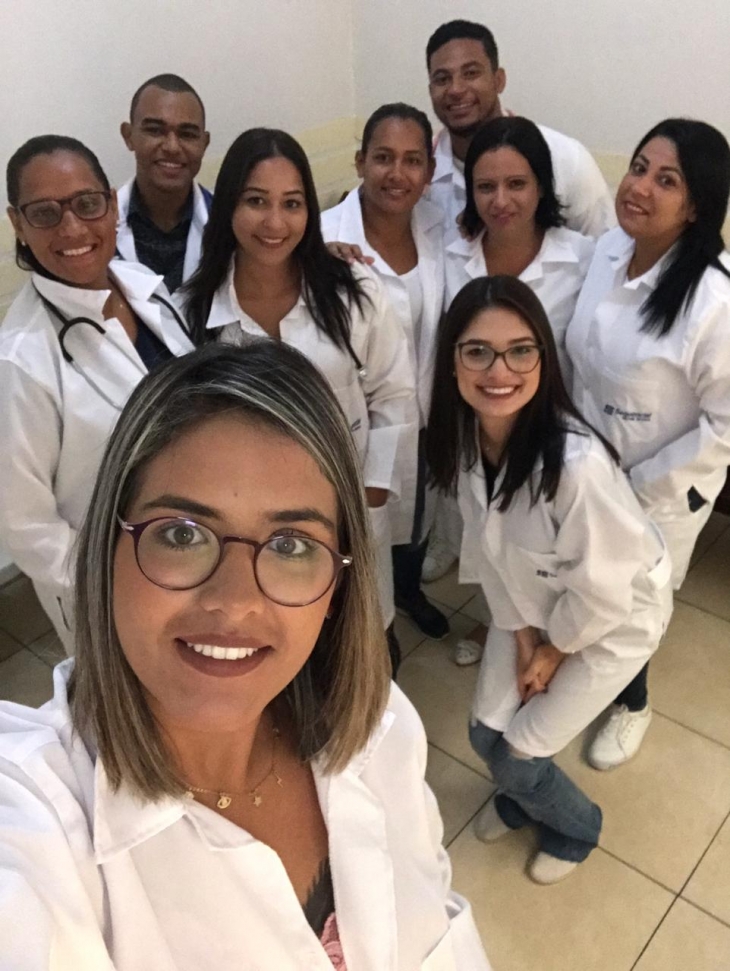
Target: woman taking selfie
column 265, row 272
column 575, row 575
column 213, row 785
column 79, row 337
column 650, row 344
column 389, row 220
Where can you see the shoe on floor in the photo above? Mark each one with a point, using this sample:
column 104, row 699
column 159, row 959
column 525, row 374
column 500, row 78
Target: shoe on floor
column 437, row 562
column 467, row 652
column 427, row 618
column 488, row 826
column 546, row 869
column 620, row 737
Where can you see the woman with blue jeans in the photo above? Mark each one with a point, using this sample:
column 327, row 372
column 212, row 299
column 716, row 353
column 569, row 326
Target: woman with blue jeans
column 576, row 576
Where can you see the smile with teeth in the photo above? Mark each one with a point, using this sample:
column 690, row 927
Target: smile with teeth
column 170, row 165
column 500, row 392
column 223, row 653
column 272, row 240
column 80, row 251
column 633, row 207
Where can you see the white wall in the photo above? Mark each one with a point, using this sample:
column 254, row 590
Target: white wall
column 604, row 71
column 71, row 66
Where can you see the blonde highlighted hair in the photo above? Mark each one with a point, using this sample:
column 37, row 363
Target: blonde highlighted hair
column 338, row 697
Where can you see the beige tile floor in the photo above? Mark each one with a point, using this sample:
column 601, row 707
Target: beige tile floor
column 655, row 896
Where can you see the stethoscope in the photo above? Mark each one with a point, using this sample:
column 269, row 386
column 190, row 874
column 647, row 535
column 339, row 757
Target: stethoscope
column 68, row 322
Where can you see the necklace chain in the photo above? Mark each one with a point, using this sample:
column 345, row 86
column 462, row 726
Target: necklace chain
column 226, row 797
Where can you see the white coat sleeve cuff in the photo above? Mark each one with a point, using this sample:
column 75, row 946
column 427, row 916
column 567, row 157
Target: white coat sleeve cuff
column 380, row 466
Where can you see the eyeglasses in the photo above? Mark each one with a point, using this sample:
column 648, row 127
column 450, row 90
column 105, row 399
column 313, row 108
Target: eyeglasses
column 47, row 213
column 179, row 554
column 479, row 356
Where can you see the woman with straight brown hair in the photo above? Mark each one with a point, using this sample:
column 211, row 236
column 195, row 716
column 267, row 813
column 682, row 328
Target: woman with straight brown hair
column 225, row 777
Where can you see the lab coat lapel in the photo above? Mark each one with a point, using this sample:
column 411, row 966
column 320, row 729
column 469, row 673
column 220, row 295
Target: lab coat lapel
column 428, row 233
column 195, row 233
column 138, row 287
column 106, row 359
column 360, row 860
column 125, row 237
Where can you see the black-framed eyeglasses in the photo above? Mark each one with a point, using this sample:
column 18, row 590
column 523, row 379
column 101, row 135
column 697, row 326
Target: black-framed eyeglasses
column 291, row 569
column 86, row 205
column 477, row 355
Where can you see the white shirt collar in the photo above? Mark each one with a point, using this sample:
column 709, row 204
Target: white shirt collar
column 135, row 281
column 620, row 249
column 225, row 308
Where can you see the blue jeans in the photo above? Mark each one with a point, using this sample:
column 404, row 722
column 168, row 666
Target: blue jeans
column 536, row 791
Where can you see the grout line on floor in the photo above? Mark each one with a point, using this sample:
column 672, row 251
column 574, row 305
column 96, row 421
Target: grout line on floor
column 636, row 869
column 653, row 934
column 699, row 862
column 707, row 913
column 695, row 731
column 469, row 821
column 460, row 762
column 704, row 610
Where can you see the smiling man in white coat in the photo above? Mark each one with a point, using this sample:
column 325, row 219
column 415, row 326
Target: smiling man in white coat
column 162, row 210
column 465, row 82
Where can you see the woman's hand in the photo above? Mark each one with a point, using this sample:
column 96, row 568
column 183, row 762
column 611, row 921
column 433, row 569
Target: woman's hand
column 376, row 497
column 350, row 253
column 538, row 674
column 527, row 640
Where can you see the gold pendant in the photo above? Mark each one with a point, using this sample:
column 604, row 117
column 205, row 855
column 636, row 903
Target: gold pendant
column 278, row 780
column 224, row 801
column 256, row 798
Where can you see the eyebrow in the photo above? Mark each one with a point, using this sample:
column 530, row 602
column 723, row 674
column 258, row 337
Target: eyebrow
column 265, row 192
column 161, row 121
column 305, row 514
column 517, row 340
column 662, row 168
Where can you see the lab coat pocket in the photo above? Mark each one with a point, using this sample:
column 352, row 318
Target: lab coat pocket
column 627, row 409
column 442, row 957
column 536, row 583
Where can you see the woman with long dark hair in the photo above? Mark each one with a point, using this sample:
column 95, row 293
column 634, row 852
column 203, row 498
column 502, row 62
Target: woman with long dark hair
column 265, row 272
column 650, row 344
column 575, row 575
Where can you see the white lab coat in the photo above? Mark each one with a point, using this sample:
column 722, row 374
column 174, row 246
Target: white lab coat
column 55, row 424
column 556, row 276
column 93, row 880
column 663, row 402
column 587, row 568
column 344, row 224
column 380, row 406
column 579, row 184
column 125, row 237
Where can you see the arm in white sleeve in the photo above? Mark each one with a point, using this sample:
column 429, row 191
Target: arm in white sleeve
column 599, row 546
column 32, row 530
column 683, row 463
column 47, row 919
column 390, row 392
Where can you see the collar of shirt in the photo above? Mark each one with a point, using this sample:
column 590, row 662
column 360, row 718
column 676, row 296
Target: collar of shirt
column 444, row 157
column 620, row 248
column 138, row 210
column 225, row 309
column 424, row 218
column 135, row 281
column 122, row 821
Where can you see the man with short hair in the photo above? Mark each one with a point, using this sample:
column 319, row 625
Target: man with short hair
column 465, row 84
column 162, row 211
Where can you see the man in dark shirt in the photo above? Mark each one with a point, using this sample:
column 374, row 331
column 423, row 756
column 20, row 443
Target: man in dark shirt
column 162, row 211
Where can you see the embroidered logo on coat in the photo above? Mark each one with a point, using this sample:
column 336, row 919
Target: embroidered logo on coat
column 627, row 415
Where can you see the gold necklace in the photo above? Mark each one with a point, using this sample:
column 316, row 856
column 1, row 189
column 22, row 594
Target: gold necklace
column 225, row 798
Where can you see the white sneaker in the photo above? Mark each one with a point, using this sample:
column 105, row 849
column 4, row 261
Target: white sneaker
column 546, row 869
column 488, row 826
column 620, row 737
column 438, row 561
column 467, row 652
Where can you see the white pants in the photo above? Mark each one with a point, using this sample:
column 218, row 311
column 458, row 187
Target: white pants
column 584, row 684
column 59, row 615
column 381, row 527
